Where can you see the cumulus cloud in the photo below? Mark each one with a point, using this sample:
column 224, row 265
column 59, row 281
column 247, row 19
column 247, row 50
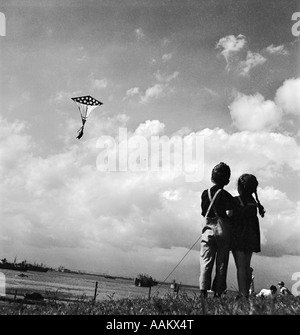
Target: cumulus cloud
column 288, row 97
column 150, row 128
column 122, row 214
column 154, row 92
column 14, row 143
column 254, row 113
column 252, row 60
column 230, row 46
column 277, row 50
column 160, row 89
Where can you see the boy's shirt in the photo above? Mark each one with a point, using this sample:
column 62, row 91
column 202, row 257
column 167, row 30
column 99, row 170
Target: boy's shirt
column 223, row 202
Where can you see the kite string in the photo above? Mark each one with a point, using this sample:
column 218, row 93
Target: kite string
column 176, row 266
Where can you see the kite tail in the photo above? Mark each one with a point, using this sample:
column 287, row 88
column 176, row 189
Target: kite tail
column 80, row 131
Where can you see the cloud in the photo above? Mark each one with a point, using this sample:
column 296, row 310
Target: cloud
column 132, row 92
column 231, row 50
column 99, row 83
column 231, row 46
column 154, row 92
column 288, row 97
column 159, row 89
column 279, row 50
column 254, row 113
column 252, row 60
column 150, row 128
column 14, row 143
column 82, row 210
column 167, row 57
column 139, row 33
column 166, row 78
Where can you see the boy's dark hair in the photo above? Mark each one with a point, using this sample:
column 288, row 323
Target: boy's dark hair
column 273, row 288
column 220, row 174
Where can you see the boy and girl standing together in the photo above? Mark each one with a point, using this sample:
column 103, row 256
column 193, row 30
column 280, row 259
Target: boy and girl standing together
column 231, row 223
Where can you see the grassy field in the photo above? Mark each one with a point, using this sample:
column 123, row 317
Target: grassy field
column 167, row 305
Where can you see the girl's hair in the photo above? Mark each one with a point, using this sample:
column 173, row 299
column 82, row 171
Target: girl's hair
column 220, row 174
column 247, row 185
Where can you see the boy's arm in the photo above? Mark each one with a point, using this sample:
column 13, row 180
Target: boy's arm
column 229, row 213
column 230, row 204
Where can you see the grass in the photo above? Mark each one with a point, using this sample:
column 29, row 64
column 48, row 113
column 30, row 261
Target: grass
column 167, row 305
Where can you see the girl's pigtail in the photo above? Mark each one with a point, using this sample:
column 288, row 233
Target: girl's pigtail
column 261, row 209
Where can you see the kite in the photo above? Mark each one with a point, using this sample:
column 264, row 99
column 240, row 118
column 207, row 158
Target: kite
column 85, row 105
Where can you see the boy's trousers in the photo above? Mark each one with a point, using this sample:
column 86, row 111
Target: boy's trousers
column 215, row 244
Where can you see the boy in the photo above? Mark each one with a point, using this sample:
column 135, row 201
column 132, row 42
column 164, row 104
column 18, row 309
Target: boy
column 215, row 239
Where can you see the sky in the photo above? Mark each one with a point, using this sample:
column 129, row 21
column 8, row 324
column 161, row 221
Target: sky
column 226, row 72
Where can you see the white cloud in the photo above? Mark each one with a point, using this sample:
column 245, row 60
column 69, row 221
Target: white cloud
column 166, row 78
column 14, row 143
column 99, row 83
column 231, row 45
column 252, row 60
column 83, row 210
column 167, row 57
column 154, row 92
column 279, row 50
column 265, row 154
column 150, row 128
column 231, row 50
column 254, row 113
column 139, row 33
column 132, row 92
column 160, row 89
column 171, row 195
column 288, row 96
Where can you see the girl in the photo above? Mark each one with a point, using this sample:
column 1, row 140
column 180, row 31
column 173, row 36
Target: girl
column 245, row 234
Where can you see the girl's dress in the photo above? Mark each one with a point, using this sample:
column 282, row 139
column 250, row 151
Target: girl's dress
column 245, row 233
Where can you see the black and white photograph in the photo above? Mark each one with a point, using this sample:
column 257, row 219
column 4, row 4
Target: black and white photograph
column 149, row 160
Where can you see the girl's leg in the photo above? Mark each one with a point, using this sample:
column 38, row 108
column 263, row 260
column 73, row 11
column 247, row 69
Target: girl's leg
column 248, row 256
column 240, row 262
